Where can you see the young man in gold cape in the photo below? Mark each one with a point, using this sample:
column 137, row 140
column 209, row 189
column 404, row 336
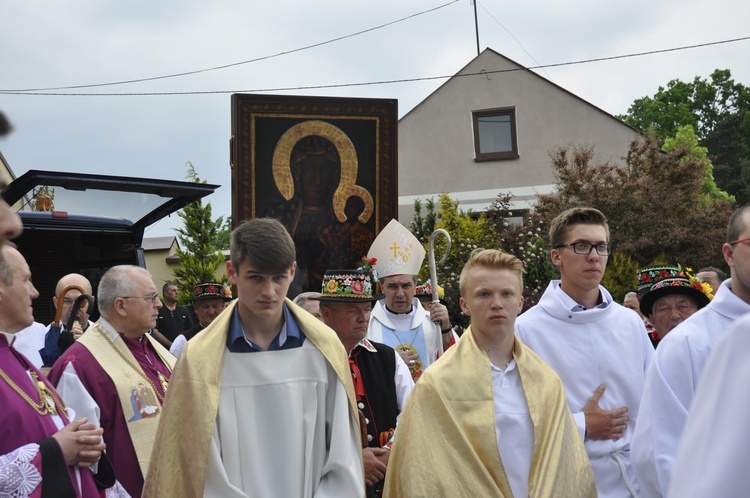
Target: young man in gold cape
column 489, row 418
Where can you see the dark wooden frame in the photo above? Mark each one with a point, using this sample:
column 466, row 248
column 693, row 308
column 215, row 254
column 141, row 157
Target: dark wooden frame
column 259, row 121
column 492, row 156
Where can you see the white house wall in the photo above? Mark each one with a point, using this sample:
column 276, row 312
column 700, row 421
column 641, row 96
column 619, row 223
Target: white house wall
column 436, row 143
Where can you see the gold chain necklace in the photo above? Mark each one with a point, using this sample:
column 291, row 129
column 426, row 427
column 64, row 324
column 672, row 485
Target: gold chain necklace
column 48, row 403
column 162, row 379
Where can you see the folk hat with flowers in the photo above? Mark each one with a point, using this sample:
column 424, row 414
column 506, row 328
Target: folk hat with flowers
column 212, row 290
column 684, row 284
column 425, row 289
column 349, row 286
column 650, row 275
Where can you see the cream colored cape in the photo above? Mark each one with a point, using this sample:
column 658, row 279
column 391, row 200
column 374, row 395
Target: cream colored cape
column 447, row 444
column 180, row 457
column 100, row 343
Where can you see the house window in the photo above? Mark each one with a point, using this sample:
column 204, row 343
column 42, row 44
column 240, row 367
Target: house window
column 495, row 134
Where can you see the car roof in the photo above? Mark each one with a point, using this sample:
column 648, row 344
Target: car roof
column 91, row 199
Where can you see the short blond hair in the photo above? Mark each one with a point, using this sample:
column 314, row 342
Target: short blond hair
column 493, row 259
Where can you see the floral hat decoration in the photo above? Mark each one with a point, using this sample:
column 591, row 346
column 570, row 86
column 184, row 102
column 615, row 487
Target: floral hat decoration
column 347, row 286
column 212, row 290
column 683, row 283
column 650, row 275
column 425, row 289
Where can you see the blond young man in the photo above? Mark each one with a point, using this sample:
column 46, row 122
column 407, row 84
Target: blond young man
column 489, row 418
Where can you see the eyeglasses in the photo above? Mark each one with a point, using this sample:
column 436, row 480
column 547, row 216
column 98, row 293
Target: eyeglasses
column 153, row 298
column 741, row 241
column 585, row 248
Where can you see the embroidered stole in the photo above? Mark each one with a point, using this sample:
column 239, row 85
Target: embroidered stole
column 140, row 403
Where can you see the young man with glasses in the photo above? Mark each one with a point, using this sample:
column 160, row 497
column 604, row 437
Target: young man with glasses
column 594, row 344
column 117, row 375
column 679, row 362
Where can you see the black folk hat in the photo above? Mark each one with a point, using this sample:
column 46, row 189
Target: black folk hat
column 211, row 290
column 674, row 285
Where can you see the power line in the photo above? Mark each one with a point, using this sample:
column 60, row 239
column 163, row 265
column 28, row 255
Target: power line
column 512, row 36
column 234, row 64
column 382, row 82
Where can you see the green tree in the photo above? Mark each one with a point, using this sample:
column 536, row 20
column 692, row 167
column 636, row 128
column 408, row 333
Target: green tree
column 422, row 227
column 719, row 112
column 223, row 236
column 199, row 253
column 686, row 141
column 656, row 204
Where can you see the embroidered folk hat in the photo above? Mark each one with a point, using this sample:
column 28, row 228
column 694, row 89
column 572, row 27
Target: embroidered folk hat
column 397, row 251
column 650, row 275
column 212, row 290
column 425, row 289
column 680, row 284
column 347, row 286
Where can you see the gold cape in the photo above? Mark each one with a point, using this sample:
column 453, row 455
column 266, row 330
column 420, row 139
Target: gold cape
column 446, row 444
column 180, row 456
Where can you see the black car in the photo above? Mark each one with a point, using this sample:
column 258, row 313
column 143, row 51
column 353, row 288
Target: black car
column 83, row 223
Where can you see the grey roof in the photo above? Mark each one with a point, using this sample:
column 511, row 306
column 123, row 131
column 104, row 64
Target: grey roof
column 156, row 243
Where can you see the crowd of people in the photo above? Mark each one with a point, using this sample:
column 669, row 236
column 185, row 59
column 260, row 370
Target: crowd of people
column 346, row 392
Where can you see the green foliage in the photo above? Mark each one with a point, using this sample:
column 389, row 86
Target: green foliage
column 199, row 254
column 655, row 204
column 619, row 278
column 223, row 235
column 686, row 142
column 718, row 110
column 422, row 227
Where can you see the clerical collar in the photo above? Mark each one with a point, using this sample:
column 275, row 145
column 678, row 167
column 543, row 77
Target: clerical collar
column 399, row 312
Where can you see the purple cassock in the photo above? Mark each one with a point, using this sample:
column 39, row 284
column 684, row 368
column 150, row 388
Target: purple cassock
column 100, row 387
column 20, row 424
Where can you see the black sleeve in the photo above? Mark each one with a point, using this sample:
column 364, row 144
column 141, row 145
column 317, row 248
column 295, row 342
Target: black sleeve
column 56, row 482
column 105, row 476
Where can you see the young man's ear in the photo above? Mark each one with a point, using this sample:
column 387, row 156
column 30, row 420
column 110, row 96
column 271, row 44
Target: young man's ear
column 231, row 273
column 554, row 256
column 464, row 308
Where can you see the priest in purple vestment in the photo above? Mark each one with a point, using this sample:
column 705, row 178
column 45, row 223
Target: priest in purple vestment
column 116, row 374
column 42, row 452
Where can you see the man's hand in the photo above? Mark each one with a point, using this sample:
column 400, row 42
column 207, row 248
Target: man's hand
column 439, row 314
column 81, row 443
column 409, row 357
column 604, row 424
column 77, row 330
column 374, row 467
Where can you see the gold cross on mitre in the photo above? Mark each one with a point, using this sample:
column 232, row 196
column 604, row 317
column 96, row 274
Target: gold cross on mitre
column 397, row 250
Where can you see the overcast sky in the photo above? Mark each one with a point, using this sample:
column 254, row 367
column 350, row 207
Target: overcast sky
column 85, row 42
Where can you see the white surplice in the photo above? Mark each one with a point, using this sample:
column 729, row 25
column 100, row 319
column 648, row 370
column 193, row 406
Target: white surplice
column 670, row 387
column 308, row 450
column 712, row 457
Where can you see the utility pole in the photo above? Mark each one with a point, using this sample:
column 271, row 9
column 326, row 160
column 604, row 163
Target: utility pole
column 476, row 23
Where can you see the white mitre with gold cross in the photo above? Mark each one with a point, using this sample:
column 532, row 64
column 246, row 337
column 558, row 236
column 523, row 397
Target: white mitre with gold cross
column 397, row 251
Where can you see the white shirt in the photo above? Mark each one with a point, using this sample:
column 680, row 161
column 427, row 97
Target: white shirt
column 513, row 426
column 29, row 341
